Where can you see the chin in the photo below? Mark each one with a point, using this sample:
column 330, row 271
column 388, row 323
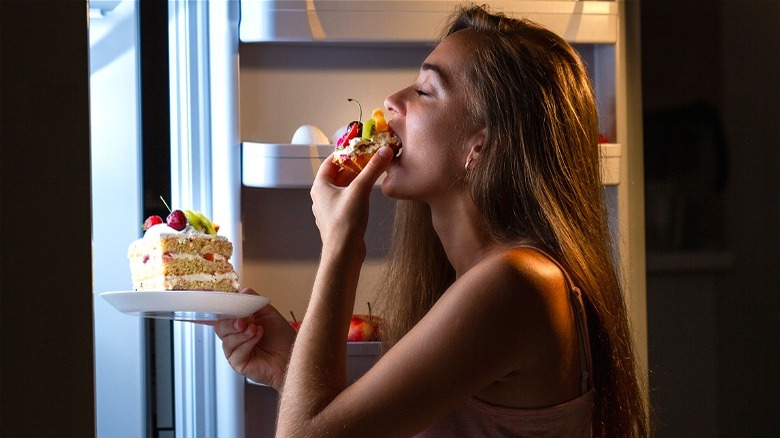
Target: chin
column 393, row 188
column 390, row 185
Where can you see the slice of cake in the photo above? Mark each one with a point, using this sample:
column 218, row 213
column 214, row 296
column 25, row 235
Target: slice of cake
column 183, row 253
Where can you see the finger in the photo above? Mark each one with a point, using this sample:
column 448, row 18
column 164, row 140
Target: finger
column 248, row 291
column 376, row 166
column 240, row 358
column 334, row 174
column 344, row 177
column 238, row 346
column 227, row 327
column 328, row 170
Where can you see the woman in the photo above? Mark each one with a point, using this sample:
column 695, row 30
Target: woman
column 505, row 315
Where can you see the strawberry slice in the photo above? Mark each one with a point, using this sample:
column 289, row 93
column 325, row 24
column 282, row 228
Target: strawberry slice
column 353, row 130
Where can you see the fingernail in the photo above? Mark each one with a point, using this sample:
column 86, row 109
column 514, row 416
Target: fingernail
column 385, row 152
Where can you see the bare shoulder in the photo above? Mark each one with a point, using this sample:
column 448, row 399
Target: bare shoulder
column 527, row 296
column 520, row 271
column 513, row 293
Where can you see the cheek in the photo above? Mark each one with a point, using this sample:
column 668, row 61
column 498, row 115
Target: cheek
column 417, row 131
column 432, row 156
column 423, row 170
column 432, row 134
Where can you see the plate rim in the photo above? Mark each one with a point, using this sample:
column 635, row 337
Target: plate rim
column 182, row 312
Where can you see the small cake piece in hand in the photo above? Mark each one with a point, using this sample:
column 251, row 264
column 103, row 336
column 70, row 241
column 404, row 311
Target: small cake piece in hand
column 361, row 141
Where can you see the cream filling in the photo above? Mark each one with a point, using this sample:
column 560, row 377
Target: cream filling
column 168, row 279
column 204, row 277
column 157, row 257
column 359, row 145
column 173, row 281
column 158, row 230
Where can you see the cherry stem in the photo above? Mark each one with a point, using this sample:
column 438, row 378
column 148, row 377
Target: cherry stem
column 166, row 204
column 369, row 311
column 293, row 316
column 360, row 116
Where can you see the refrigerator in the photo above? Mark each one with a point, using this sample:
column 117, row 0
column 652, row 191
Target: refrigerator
column 243, row 77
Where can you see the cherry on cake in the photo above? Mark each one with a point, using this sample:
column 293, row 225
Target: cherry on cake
column 182, row 253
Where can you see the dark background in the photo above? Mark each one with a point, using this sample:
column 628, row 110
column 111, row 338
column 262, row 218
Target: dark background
column 711, row 98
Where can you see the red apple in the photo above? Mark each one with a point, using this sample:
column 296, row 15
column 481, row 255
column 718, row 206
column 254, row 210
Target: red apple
column 363, row 328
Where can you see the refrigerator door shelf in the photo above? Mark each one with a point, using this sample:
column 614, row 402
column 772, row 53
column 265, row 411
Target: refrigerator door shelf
column 411, row 21
column 283, row 166
column 269, row 165
column 610, row 163
column 293, row 166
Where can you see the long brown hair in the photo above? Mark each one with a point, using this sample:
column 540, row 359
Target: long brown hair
column 537, row 180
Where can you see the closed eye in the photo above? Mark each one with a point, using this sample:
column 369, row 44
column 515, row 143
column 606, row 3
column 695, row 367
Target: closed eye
column 421, row 93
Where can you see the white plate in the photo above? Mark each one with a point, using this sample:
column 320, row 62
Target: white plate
column 185, row 305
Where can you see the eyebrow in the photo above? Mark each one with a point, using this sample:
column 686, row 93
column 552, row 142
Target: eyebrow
column 436, row 69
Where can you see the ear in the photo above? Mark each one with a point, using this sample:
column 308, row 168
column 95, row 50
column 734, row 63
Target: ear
column 475, row 144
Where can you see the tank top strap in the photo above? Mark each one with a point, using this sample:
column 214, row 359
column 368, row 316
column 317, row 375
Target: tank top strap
column 578, row 307
column 582, row 331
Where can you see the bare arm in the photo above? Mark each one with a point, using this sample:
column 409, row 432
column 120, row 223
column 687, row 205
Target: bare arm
column 317, row 372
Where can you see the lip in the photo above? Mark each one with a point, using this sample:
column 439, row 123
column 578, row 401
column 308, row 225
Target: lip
column 391, row 123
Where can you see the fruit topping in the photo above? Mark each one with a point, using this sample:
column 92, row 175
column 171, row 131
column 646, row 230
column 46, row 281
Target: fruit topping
column 177, row 220
column 152, row 221
column 200, row 222
column 353, row 129
column 368, row 128
column 381, row 123
column 375, row 124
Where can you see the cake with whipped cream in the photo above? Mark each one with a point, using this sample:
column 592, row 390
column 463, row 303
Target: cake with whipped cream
column 360, row 142
column 182, row 253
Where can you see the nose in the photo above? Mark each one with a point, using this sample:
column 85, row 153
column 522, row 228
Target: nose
column 394, row 103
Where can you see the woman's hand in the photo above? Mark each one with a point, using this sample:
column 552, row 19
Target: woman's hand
column 340, row 198
column 258, row 346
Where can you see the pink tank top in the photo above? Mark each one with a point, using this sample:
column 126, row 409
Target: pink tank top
column 476, row 418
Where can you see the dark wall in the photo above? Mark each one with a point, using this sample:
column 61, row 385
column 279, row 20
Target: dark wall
column 749, row 302
column 711, row 94
column 46, row 335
